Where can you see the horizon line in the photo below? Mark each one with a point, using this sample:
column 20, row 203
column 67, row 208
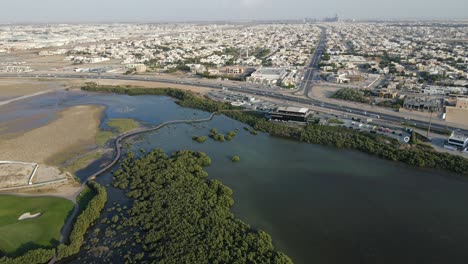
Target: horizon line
column 196, row 21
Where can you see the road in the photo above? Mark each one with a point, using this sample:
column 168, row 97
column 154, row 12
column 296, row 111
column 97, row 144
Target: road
column 242, row 88
column 312, row 73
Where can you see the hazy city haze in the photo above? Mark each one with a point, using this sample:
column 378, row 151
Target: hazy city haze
column 19, row 11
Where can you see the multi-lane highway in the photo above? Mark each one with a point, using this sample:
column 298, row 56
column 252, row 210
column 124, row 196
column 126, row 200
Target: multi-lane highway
column 248, row 90
column 312, row 71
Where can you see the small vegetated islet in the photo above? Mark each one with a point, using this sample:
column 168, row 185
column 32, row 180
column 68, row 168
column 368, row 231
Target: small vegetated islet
column 199, row 139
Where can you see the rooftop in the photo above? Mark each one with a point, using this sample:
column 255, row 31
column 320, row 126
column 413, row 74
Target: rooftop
column 270, row 71
column 293, row 109
column 458, row 135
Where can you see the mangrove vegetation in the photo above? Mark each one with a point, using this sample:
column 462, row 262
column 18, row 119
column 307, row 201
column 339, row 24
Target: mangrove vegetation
column 338, row 137
column 179, row 216
column 200, row 139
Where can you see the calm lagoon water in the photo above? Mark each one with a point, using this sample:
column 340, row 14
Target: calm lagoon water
column 320, row 205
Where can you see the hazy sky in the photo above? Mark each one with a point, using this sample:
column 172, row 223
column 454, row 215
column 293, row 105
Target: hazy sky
column 208, row 10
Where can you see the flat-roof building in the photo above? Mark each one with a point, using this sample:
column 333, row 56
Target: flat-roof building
column 234, row 70
column 458, row 139
column 267, row 75
column 424, row 104
column 290, row 114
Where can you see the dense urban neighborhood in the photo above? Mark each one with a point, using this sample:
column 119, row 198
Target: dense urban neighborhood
column 183, row 142
column 418, row 70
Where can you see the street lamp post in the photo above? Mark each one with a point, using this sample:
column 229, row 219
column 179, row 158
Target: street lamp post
column 430, row 123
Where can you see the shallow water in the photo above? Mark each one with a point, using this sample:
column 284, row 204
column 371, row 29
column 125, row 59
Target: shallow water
column 44, row 108
column 320, row 205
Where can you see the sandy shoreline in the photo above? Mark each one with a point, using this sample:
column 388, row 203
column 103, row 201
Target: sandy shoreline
column 74, row 130
column 13, row 88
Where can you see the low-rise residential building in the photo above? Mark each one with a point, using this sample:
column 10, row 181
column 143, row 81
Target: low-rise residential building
column 388, row 93
column 197, row 68
column 138, row 67
column 338, row 78
column 424, row 104
column 234, row 70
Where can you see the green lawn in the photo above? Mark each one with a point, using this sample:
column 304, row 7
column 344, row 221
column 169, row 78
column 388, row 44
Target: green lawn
column 16, row 237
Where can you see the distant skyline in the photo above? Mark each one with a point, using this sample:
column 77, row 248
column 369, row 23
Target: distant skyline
column 56, row 11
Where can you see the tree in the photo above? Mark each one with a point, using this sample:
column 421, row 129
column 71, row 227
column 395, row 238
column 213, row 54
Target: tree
column 185, row 217
column 200, row 139
column 89, row 216
column 414, row 138
column 350, row 94
column 36, row 256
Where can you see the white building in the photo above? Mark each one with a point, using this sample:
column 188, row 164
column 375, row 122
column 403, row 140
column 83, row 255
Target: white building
column 139, row 67
column 197, row 68
column 268, row 76
column 338, row 78
column 458, row 140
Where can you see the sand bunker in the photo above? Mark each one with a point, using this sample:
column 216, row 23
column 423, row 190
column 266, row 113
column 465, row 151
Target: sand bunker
column 28, row 216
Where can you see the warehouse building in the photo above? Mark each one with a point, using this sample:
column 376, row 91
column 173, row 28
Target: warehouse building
column 268, row 76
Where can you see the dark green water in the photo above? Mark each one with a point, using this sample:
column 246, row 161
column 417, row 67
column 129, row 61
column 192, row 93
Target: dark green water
column 328, row 206
column 320, row 205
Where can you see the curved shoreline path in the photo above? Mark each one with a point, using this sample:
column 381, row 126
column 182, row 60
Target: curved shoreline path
column 117, row 155
column 118, row 146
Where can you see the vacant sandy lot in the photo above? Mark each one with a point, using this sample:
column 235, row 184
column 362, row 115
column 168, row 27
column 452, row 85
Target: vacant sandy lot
column 323, row 91
column 457, row 115
column 68, row 190
column 47, row 173
column 14, row 174
column 72, row 132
